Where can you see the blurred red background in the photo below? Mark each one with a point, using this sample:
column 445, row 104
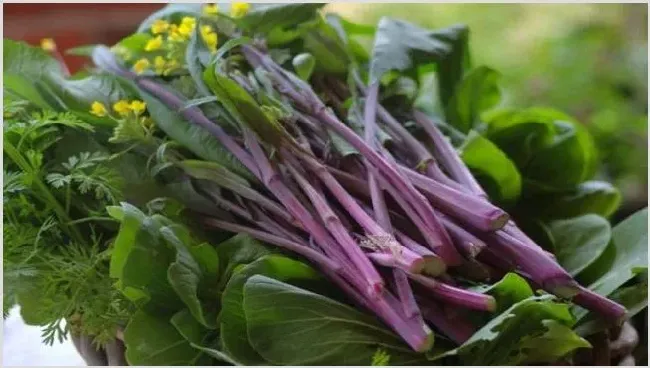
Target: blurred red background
column 72, row 25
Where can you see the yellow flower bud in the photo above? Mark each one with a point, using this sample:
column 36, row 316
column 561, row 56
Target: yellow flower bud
column 188, row 21
column 159, row 64
column 211, row 40
column 48, row 44
column 154, row 44
column 141, row 65
column 138, row 106
column 98, row 109
column 211, row 9
column 122, row 107
column 159, row 26
column 239, row 9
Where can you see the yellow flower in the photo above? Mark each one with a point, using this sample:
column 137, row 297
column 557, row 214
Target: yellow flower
column 159, row 64
column 239, row 9
column 141, row 65
column 48, row 44
column 122, row 107
column 211, row 9
column 154, row 44
column 159, row 26
column 98, row 109
column 188, row 21
column 171, row 65
column 175, row 36
column 209, row 37
column 185, row 30
column 138, row 106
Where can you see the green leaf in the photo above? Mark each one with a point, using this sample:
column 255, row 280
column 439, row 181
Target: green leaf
column 265, row 18
column 630, row 242
column 243, row 107
column 187, row 276
column 233, row 320
column 579, row 241
column 196, row 57
column 281, row 318
column 511, row 289
column 189, row 327
column 569, row 160
column 212, row 171
column 477, row 92
column 193, row 137
column 595, row 197
column 238, row 250
column 552, row 152
column 86, row 50
column 330, row 53
column 508, row 339
column 493, row 168
column 152, row 340
column 557, row 341
column 35, row 76
column 304, row 64
column 130, row 218
column 400, row 45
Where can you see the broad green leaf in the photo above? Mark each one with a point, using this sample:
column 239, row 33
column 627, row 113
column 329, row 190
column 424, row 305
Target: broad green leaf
column 506, row 339
column 330, row 53
column 346, row 30
column 233, row 320
column 569, row 160
column 196, row 57
column 630, row 242
column 243, row 107
column 477, row 92
column 35, row 76
column 557, row 341
column 238, row 250
column 189, row 327
column 152, row 340
column 304, row 64
column 268, row 17
column 595, row 197
column 579, row 241
column 281, row 318
column 212, row 171
column 400, row 45
column 187, row 276
column 193, row 137
column 130, row 222
column 511, row 289
column 493, row 168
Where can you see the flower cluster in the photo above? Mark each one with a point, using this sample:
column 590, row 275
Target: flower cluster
column 132, row 125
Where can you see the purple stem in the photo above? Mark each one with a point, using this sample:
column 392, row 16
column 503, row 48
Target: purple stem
column 467, row 242
column 457, row 329
column 457, row 296
column 468, row 208
column 302, row 249
column 336, row 229
column 610, row 310
column 448, row 156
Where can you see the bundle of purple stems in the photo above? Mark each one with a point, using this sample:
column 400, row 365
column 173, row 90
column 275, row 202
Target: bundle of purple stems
column 387, row 225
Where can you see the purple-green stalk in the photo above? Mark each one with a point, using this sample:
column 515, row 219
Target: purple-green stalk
column 309, row 101
column 457, row 329
column 470, row 245
column 457, row 296
column 337, row 230
column 447, row 155
column 467, row 208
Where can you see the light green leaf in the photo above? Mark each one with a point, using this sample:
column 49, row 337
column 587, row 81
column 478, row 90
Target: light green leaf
column 505, row 340
column 193, row 137
column 304, row 64
column 579, row 241
column 267, row 17
column 233, row 320
column 477, row 92
column 557, row 341
column 596, row 197
column 151, row 340
column 338, row 334
column 494, row 170
column 511, row 289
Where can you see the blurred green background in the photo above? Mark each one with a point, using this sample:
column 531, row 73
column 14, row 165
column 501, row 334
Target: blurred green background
column 589, row 60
